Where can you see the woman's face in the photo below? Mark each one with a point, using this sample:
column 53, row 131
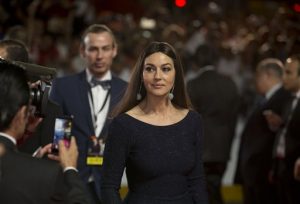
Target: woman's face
column 158, row 74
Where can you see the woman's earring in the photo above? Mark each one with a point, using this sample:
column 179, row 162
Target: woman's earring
column 139, row 95
column 171, row 95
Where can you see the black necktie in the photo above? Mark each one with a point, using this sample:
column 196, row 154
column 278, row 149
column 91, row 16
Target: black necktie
column 106, row 84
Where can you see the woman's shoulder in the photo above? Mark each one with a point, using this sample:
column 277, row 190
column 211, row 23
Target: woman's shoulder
column 133, row 111
column 125, row 118
column 194, row 115
column 119, row 118
column 120, row 124
column 185, row 111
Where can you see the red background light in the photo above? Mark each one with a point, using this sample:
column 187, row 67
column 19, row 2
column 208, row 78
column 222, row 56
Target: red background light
column 180, row 3
column 297, row 7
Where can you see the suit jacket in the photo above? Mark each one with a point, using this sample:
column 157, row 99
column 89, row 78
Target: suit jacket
column 44, row 133
column 216, row 98
column 255, row 154
column 292, row 145
column 71, row 93
column 25, row 179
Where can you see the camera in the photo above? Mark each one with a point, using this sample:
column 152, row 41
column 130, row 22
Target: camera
column 40, row 92
column 39, row 96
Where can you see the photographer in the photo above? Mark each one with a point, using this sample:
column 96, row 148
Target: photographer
column 38, row 180
column 40, row 128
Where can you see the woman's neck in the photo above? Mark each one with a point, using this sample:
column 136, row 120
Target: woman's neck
column 156, row 105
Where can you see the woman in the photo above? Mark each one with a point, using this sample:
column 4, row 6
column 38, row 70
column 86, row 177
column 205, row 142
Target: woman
column 155, row 136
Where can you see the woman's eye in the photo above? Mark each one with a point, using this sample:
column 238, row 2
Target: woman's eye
column 166, row 69
column 149, row 69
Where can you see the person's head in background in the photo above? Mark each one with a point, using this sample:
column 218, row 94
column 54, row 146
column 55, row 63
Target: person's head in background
column 291, row 76
column 205, row 55
column 98, row 48
column 268, row 73
column 13, row 50
column 15, row 99
column 19, row 33
column 157, row 73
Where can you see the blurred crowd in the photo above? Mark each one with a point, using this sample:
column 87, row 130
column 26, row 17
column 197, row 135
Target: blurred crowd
column 241, row 38
column 238, row 34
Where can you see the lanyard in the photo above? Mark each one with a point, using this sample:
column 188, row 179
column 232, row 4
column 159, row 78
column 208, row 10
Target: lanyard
column 93, row 105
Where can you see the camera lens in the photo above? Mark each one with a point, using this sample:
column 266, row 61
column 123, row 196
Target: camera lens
column 36, row 97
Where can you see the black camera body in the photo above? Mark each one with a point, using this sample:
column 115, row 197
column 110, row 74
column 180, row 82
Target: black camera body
column 40, row 93
column 39, row 97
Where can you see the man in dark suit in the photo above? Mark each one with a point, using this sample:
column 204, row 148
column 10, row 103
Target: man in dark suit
column 216, row 98
column 23, row 178
column 41, row 130
column 287, row 144
column 255, row 155
column 89, row 96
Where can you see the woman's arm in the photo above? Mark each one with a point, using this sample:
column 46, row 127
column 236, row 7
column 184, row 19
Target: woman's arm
column 196, row 178
column 115, row 156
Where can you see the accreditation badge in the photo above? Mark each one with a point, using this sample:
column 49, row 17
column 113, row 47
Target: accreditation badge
column 95, row 151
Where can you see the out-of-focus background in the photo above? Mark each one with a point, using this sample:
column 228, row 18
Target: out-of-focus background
column 242, row 32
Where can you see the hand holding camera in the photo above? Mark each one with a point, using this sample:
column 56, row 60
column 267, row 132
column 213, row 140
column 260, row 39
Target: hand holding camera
column 39, row 93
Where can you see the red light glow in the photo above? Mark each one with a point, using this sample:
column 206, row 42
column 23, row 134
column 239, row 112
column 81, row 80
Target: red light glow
column 297, row 7
column 180, row 3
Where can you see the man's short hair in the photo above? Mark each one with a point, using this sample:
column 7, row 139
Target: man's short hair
column 271, row 65
column 15, row 50
column 14, row 92
column 98, row 28
column 295, row 57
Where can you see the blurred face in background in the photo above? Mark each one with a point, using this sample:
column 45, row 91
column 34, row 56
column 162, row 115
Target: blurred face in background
column 158, row 74
column 98, row 51
column 291, row 76
column 260, row 82
column 3, row 53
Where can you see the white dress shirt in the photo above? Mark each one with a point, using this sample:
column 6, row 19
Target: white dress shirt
column 9, row 137
column 96, row 102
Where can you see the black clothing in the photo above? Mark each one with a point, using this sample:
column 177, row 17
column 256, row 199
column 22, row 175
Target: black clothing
column 288, row 187
column 255, row 154
column 25, row 179
column 163, row 163
column 44, row 133
column 216, row 98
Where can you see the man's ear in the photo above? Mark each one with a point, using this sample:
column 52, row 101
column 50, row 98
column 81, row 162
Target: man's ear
column 81, row 50
column 115, row 50
column 21, row 116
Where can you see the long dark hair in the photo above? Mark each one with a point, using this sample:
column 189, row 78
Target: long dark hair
column 129, row 100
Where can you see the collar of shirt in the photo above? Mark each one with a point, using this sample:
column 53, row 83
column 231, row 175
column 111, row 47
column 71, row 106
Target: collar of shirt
column 270, row 93
column 204, row 69
column 297, row 95
column 8, row 137
column 89, row 76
